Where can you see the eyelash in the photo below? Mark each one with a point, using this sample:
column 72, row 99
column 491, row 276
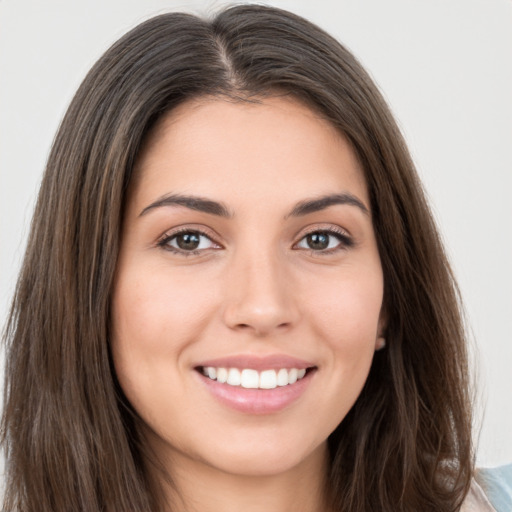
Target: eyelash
column 345, row 241
column 168, row 237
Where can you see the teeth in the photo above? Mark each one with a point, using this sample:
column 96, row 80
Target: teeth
column 282, row 377
column 233, row 377
column 222, row 374
column 268, row 379
column 252, row 379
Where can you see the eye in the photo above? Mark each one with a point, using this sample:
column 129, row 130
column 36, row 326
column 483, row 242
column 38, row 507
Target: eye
column 324, row 240
column 187, row 241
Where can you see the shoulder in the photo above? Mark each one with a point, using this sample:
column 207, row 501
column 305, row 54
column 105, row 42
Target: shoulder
column 496, row 483
column 476, row 500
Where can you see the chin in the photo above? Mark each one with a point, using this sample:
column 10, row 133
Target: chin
column 265, row 458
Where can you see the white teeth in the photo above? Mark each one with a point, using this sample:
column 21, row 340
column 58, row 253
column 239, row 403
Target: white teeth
column 252, row 379
column 222, row 375
column 268, row 379
column 233, row 377
column 282, row 377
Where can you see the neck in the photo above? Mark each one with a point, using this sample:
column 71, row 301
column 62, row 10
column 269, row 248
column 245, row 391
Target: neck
column 198, row 487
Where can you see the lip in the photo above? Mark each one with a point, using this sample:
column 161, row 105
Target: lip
column 259, row 363
column 257, row 401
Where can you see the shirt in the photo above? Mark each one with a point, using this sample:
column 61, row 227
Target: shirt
column 491, row 491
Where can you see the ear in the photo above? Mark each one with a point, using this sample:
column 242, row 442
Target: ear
column 380, row 341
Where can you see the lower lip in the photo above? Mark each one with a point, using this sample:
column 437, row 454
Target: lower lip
column 257, row 401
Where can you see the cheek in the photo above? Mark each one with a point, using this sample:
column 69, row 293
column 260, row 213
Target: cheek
column 348, row 310
column 344, row 313
column 155, row 317
column 155, row 311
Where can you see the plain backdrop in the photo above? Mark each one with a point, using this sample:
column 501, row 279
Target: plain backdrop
column 445, row 66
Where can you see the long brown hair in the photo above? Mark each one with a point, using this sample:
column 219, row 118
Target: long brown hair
column 71, row 439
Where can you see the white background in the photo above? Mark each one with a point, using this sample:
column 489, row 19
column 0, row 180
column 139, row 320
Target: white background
column 445, row 67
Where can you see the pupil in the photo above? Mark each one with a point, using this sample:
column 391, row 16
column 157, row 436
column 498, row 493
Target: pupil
column 318, row 241
column 188, row 241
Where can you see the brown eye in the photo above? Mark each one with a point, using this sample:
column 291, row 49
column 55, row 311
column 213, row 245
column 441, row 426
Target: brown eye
column 325, row 241
column 318, row 241
column 188, row 241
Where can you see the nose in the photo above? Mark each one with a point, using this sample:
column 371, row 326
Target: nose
column 259, row 295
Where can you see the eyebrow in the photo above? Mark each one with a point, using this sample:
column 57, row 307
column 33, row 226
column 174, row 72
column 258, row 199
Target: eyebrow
column 216, row 208
column 200, row 204
column 321, row 203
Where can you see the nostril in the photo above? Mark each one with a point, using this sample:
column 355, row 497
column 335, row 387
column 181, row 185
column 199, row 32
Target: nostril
column 258, row 308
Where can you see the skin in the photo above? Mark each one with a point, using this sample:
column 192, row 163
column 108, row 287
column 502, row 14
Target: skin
column 253, row 287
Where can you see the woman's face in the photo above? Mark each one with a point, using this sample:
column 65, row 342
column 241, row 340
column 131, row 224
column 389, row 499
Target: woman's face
column 247, row 254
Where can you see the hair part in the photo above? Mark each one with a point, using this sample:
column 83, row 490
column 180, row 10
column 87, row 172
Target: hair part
column 72, row 441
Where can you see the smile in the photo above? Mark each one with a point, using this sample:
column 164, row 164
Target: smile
column 256, row 384
column 253, row 379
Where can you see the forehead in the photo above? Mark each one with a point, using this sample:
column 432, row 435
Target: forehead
column 275, row 149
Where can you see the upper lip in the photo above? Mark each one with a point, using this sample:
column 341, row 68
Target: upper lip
column 260, row 363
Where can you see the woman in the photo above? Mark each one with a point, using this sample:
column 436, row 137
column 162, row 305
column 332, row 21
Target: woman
column 234, row 294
